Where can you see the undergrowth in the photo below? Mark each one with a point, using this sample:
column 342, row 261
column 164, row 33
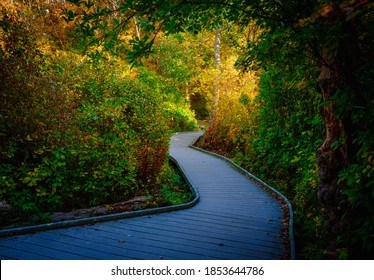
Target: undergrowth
column 170, row 189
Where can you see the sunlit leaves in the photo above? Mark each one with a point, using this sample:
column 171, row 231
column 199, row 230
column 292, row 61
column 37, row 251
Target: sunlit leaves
column 68, row 15
column 76, row 130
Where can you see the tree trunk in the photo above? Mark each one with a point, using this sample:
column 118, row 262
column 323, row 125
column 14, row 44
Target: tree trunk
column 137, row 28
column 331, row 157
column 217, row 60
column 338, row 149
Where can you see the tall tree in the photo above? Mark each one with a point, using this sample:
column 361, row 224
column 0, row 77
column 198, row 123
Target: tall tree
column 217, row 62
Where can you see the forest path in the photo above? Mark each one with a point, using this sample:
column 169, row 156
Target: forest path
column 234, row 219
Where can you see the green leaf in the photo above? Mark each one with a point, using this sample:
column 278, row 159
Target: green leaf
column 116, row 22
column 26, row 180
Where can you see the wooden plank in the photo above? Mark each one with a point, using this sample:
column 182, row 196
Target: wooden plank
column 195, row 246
column 105, row 243
column 148, row 250
column 155, row 244
column 11, row 253
column 170, row 224
column 249, row 239
column 82, row 248
column 238, row 212
column 255, row 224
column 241, row 244
column 40, row 251
column 211, row 223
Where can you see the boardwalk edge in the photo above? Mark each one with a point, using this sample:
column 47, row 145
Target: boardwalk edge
column 110, row 217
column 278, row 193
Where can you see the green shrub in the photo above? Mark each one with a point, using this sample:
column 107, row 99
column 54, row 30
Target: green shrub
column 74, row 132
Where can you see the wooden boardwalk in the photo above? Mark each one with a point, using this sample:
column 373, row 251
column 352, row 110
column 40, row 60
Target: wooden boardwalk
column 234, row 219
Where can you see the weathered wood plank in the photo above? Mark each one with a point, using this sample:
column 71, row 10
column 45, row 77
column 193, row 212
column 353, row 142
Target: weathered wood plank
column 200, row 236
column 39, row 251
column 197, row 247
column 255, row 223
column 169, row 248
column 16, row 254
column 77, row 246
column 250, row 241
column 170, row 225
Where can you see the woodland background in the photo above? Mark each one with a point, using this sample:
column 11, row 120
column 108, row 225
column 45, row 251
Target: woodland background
column 91, row 92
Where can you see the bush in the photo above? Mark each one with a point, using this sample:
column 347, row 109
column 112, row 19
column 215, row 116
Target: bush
column 74, row 132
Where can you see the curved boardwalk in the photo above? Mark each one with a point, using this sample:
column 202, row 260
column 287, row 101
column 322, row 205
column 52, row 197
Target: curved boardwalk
column 235, row 219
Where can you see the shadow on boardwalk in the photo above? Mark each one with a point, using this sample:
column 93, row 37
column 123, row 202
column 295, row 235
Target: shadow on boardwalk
column 234, row 219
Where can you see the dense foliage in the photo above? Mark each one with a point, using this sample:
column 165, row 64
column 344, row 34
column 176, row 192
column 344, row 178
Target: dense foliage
column 315, row 68
column 273, row 131
column 79, row 123
column 79, row 130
